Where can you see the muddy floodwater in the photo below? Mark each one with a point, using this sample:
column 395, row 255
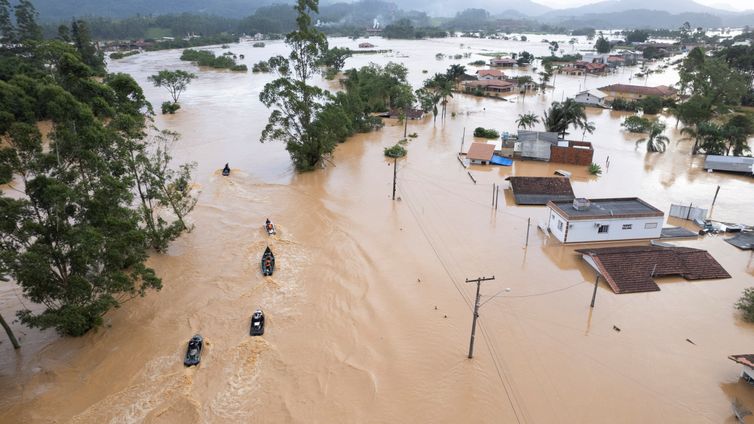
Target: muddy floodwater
column 368, row 314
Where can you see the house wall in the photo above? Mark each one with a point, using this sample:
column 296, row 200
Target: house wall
column 589, row 99
column 571, row 155
column 588, row 230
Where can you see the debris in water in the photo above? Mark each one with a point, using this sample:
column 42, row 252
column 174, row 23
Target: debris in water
column 689, row 340
column 616, row 328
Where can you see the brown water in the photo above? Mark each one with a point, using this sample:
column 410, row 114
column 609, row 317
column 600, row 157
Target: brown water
column 368, row 312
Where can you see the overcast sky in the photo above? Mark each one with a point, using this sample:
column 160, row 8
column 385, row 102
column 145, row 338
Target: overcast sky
column 720, row 4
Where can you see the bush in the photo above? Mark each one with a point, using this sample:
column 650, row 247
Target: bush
column 258, row 44
column 746, row 304
column 651, row 105
column 395, row 151
column 413, row 135
column 625, row 105
column 121, row 55
column 170, row 107
column 636, row 124
column 331, row 73
column 478, row 63
column 261, row 66
column 486, row 133
column 205, row 58
column 239, row 68
column 595, row 169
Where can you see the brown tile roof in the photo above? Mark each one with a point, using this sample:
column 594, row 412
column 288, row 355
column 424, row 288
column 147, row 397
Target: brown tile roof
column 490, row 72
column 743, row 359
column 540, row 190
column 631, row 269
column 489, row 83
column 660, row 90
column 480, row 151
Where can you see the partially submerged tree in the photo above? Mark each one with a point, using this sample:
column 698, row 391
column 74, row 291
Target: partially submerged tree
column 175, row 82
column 527, row 120
column 563, row 115
column 656, row 141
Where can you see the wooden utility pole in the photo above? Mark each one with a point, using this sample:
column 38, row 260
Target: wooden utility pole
column 395, row 174
column 463, row 138
column 594, row 293
column 528, row 225
column 12, row 337
column 478, row 282
column 715, row 198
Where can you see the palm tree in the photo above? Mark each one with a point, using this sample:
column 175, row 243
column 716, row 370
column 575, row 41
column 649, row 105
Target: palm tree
column 455, row 71
column 562, row 115
column 589, row 127
column 527, row 120
column 656, row 142
column 441, row 85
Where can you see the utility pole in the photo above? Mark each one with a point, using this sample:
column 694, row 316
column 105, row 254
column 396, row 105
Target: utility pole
column 594, row 293
column 478, row 282
column 395, row 174
column 463, row 138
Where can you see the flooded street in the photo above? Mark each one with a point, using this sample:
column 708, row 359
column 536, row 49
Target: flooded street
column 368, row 314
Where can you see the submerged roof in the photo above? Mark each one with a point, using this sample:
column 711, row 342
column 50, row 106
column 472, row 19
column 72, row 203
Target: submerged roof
column 631, row 269
column 743, row 359
column 660, row 90
column 625, row 207
column 729, row 163
column 540, row 190
column 480, row 151
column 744, row 241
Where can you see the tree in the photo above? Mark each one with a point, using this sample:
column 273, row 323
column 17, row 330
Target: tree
column 650, row 105
column 175, row 82
column 636, row 124
column 404, row 99
column 588, row 127
column 527, row 120
column 296, row 104
column 524, row 58
column 455, row 71
column 602, row 45
column 553, row 46
column 737, row 131
column 335, row 58
column 656, row 141
column 562, row 115
column 64, row 33
column 83, row 42
column 7, row 32
column 637, row 36
column 27, row 28
column 746, row 304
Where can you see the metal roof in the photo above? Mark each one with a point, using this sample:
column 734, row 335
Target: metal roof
column 729, row 163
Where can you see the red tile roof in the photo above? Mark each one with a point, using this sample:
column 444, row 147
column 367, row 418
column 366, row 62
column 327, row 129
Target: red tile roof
column 490, row 72
column 490, row 83
column 660, row 90
column 481, row 151
column 631, row 269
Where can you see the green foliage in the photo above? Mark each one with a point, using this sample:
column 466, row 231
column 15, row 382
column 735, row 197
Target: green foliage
column 335, row 58
column 395, row 151
column 525, row 58
column 595, row 169
column 76, row 241
column 602, row 45
column 82, row 39
column 206, row 58
column 175, row 82
column 650, row 105
column 746, row 304
column 169, row 107
column 121, row 55
column 258, row 44
column 261, row 66
column 624, row 105
column 193, row 42
column 563, row 115
column 404, row 29
column 527, row 120
column 486, row 133
column 589, row 32
column 652, row 52
column 637, row 36
column 478, row 63
column 656, row 141
column 636, row 124
column 565, row 58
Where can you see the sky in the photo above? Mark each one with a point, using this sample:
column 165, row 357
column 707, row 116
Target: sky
column 724, row 4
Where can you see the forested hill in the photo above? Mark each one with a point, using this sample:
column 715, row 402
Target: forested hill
column 61, row 10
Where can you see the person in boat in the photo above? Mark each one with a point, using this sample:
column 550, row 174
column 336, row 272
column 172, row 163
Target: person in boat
column 268, row 224
column 226, row 170
column 267, row 262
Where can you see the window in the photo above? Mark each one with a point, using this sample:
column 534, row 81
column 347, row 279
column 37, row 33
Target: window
column 603, row 228
column 650, row 225
column 627, row 226
column 560, row 225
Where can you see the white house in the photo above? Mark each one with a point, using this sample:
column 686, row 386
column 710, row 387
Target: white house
column 589, row 220
column 591, row 98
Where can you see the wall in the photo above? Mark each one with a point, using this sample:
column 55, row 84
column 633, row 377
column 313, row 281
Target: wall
column 586, row 231
column 588, row 99
column 572, row 155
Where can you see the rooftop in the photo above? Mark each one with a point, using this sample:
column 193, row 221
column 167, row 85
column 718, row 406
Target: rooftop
column 594, row 93
column 540, row 190
column 489, row 83
column 660, row 90
column 631, row 269
column 743, row 359
column 490, row 72
column 625, row 207
column 480, row 151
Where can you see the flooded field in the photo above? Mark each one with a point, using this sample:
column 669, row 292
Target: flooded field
column 368, row 312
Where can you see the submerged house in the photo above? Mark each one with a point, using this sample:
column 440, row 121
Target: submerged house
column 490, row 74
column 540, row 190
column 742, row 164
column 547, row 146
column 480, row 153
column 572, row 152
column 489, row 86
column 591, row 98
column 637, row 92
column 570, row 70
column 503, row 62
column 590, row 220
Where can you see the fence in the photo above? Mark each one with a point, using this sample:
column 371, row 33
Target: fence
column 688, row 212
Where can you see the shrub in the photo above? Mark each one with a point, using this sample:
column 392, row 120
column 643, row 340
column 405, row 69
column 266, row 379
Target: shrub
column 170, row 107
column 625, row 105
column 746, row 304
column 485, row 133
column 239, row 68
column 121, row 55
column 413, row 135
column 651, row 105
column 261, row 66
column 478, row 63
column 595, row 169
column 258, row 44
column 395, row 151
column 636, row 124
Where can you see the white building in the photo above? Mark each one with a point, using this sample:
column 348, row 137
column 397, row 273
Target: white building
column 589, row 220
column 591, row 98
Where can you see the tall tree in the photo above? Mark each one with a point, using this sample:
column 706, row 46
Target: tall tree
column 7, row 32
column 527, row 120
column 82, row 39
column 656, row 141
column 602, row 45
column 26, row 22
column 561, row 116
column 295, row 103
column 175, row 82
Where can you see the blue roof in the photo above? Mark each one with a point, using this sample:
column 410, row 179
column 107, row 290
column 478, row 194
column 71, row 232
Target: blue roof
column 499, row 160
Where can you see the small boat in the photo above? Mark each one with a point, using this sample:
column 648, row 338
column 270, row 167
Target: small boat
column 257, row 323
column 270, row 227
column 226, row 170
column 194, row 351
column 268, row 262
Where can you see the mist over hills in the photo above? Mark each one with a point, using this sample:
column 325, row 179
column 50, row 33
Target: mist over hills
column 604, row 14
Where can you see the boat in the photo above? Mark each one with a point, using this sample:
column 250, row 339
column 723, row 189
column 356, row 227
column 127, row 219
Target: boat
column 270, row 227
column 194, row 351
column 268, row 262
column 257, row 323
column 226, row 170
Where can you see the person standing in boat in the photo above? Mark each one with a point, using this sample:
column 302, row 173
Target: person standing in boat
column 226, row 170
